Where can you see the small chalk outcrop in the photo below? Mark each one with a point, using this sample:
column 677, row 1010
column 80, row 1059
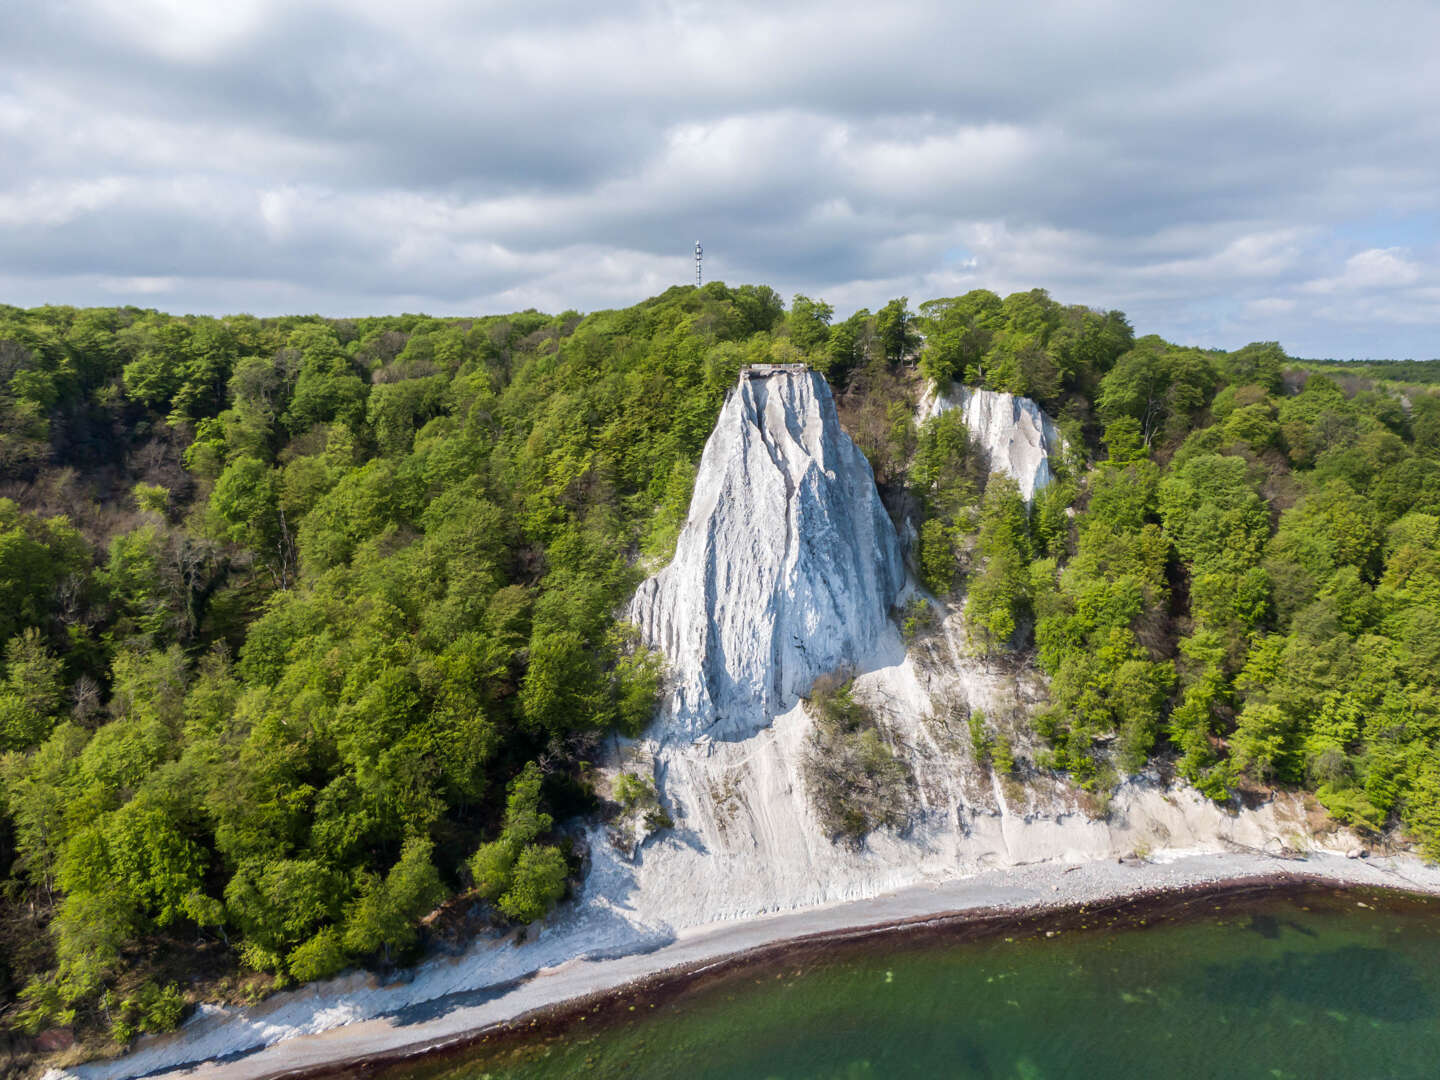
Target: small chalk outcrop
column 786, row 567
column 1015, row 432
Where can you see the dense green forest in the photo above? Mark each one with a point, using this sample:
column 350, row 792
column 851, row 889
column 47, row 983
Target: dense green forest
column 1415, row 372
column 309, row 624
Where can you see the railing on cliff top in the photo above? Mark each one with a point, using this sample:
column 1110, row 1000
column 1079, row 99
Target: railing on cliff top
column 761, row 371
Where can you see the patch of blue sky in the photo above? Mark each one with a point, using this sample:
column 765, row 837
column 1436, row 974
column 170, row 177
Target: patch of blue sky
column 1386, row 229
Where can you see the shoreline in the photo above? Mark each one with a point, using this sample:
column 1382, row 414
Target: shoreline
column 612, row 1006
column 1037, row 894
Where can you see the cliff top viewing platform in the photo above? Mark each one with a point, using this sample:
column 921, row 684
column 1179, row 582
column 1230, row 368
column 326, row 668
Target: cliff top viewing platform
column 762, row 371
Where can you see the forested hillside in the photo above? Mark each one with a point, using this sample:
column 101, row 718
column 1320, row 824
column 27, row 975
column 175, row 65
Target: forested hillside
column 292, row 604
column 309, row 624
column 1249, row 582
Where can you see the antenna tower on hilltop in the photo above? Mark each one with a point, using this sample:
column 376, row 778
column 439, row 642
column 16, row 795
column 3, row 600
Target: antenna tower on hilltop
column 698, row 253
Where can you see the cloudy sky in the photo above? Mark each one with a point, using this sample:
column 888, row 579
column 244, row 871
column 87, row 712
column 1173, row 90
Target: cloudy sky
column 1223, row 172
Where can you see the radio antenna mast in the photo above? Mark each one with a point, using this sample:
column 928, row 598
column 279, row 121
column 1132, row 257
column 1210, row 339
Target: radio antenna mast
column 698, row 253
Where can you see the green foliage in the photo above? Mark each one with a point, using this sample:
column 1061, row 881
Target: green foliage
column 1303, row 585
column 999, row 595
column 1261, row 363
column 31, row 692
column 894, row 326
column 562, row 687
column 944, row 472
column 1422, row 812
column 809, row 325
column 646, row 800
column 150, row 859
column 385, row 913
column 937, row 557
column 1026, row 344
column 41, row 1005
column 632, row 790
column 1259, row 741
column 492, row 867
column 151, row 1009
column 322, row 956
column 1212, row 514
column 327, row 387
column 1158, row 385
column 919, row 617
column 670, row 515
column 1002, row 755
column 945, row 476
column 151, row 498
column 635, row 683
column 90, row 930
column 982, row 742
column 280, row 903
column 37, row 556
column 958, row 333
column 523, row 878
column 536, row 885
column 246, row 500
column 413, row 534
column 854, row 780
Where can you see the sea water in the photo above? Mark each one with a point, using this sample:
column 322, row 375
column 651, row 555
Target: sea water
column 1308, row 984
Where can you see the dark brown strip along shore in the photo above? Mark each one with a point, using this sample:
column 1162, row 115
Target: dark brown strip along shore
column 620, row 1004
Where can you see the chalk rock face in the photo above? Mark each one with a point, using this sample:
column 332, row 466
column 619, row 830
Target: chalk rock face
column 1015, row 432
column 786, row 567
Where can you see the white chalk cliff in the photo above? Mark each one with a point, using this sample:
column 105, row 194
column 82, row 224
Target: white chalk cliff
column 1016, row 434
column 786, row 568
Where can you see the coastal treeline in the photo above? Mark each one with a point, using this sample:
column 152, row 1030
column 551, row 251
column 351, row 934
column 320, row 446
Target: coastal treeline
column 308, row 626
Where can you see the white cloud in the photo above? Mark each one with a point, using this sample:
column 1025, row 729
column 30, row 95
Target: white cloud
column 139, row 286
column 936, row 165
column 184, row 29
column 1265, row 255
column 42, row 204
column 1268, row 306
column 1377, row 268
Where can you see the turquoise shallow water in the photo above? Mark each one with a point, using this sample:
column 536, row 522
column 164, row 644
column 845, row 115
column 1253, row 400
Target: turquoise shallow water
column 1313, row 984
